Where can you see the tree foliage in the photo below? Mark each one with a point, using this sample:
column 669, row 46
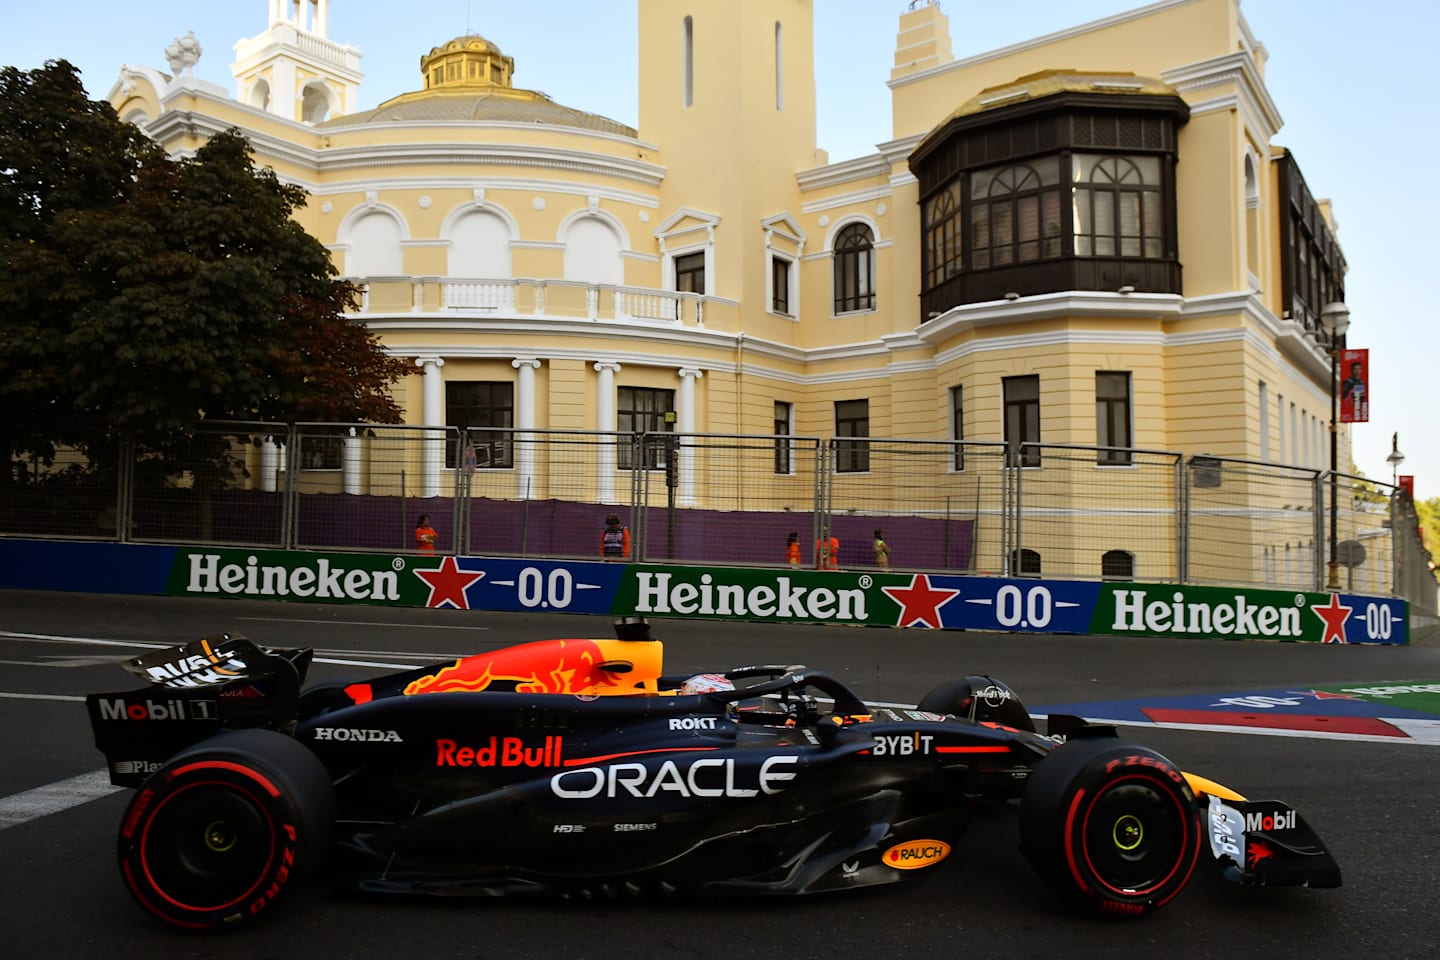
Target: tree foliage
column 148, row 292
column 1428, row 512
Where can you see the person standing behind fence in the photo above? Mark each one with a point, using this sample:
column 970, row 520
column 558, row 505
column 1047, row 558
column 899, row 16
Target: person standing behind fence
column 615, row 539
column 827, row 551
column 792, row 548
column 425, row 534
column 882, row 551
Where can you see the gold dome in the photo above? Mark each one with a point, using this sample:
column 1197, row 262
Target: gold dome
column 469, row 78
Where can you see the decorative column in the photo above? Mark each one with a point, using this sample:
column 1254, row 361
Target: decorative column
column 605, row 420
column 269, row 465
column 685, row 424
column 350, row 463
column 432, row 414
column 525, row 420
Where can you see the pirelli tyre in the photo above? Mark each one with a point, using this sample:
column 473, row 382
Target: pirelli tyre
column 219, row 835
column 1112, row 825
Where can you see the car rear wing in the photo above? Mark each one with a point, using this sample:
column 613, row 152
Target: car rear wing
column 194, row 691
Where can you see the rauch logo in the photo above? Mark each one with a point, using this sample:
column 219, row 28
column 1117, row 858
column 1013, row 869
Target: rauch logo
column 914, row 854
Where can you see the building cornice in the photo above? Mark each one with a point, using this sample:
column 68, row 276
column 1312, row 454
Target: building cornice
column 520, row 184
column 176, row 122
column 846, row 171
column 1036, row 42
column 1234, row 68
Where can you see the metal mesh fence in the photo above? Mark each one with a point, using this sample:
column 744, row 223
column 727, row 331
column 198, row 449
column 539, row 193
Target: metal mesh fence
column 365, row 487
column 1097, row 512
column 724, row 499
column 728, row 498
column 1252, row 523
column 59, row 491
column 545, row 493
column 204, row 487
column 1365, row 548
column 938, row 505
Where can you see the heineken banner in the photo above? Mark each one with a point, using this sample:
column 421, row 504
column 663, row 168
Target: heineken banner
column 935, row 601
column 790, row 596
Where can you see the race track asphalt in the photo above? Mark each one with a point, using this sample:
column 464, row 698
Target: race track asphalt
column 1373, row 803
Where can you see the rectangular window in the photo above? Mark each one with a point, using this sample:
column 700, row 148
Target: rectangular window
column 852, row 422
column 690, row 273
column 784, row 428
column 320, row 450
column 780, row 285
column 479, row 406
column 642, row 410
column 1022, row 418
column 1112, row 417
column 957, row 425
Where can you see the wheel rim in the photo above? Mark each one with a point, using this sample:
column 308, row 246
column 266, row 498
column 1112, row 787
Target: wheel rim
column 1135, row 836
column 207, row 846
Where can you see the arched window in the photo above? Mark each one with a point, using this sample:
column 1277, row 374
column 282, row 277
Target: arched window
column 1118, row 210
column 314, row 104
column 1024, row 563
column 942, row 235
column 592, row 252
column 374, row 247
column 260, row 95
column 854, row 269
column 480, row 247
column 1015, row 213
column 1117, row 565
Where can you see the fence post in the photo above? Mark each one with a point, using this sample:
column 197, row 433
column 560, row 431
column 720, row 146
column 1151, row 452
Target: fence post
column 1182, row 520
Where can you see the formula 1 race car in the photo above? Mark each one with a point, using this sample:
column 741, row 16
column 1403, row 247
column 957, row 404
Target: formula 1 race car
column 576, row 768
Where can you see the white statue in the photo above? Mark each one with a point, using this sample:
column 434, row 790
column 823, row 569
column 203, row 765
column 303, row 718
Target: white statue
column 183, row 54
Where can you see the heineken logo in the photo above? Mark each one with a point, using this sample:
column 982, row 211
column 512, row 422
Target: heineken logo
column 1238, row 617
column 667, row 593
column 322, row 580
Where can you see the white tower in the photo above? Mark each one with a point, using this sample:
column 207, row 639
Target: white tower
column 293, row 69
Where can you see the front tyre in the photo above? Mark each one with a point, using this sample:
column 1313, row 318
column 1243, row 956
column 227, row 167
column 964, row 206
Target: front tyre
column 1112, row 825
column 220, row 833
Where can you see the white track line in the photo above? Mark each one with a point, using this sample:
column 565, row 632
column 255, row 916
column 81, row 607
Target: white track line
column 55, row 797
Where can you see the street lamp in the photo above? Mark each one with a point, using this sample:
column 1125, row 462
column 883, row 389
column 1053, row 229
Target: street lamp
column 1334, row 320
column 1395, row 459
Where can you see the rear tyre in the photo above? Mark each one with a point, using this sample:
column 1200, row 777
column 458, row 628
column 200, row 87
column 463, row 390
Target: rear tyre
column 1111, row 825
column 220, row 834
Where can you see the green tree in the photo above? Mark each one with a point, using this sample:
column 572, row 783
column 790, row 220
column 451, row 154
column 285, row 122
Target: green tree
column 149, row 293
column 1428, row 511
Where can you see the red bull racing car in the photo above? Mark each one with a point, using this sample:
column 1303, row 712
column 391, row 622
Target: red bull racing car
column 577, row 768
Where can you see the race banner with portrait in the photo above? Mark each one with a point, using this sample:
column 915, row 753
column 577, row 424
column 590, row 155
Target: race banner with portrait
column 1355, row 387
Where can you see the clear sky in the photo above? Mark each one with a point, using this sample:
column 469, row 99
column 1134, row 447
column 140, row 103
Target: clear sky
column 1353, row 81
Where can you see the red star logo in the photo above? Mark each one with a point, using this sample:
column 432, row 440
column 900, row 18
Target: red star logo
column 920, row 603
column 448, row 584
column 1334, row 614
column 1324, row 695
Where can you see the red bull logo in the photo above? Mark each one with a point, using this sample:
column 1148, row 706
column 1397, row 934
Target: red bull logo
column 499, row 752
column 546, row 666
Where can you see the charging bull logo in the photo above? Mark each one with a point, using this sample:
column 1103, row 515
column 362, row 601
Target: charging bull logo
column 547, row 666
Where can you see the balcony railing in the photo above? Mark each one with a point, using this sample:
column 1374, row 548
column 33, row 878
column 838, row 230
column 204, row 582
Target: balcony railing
column 552, row 299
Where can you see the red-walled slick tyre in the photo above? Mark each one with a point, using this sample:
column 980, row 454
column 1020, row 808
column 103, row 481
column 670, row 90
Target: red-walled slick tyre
column 1111, row 825
column 221, row 833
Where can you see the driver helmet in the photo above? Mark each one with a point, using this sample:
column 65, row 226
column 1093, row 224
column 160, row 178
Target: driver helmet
column 706, row 683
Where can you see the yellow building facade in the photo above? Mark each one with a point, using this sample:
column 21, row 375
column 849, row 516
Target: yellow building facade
column 1092, row 238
